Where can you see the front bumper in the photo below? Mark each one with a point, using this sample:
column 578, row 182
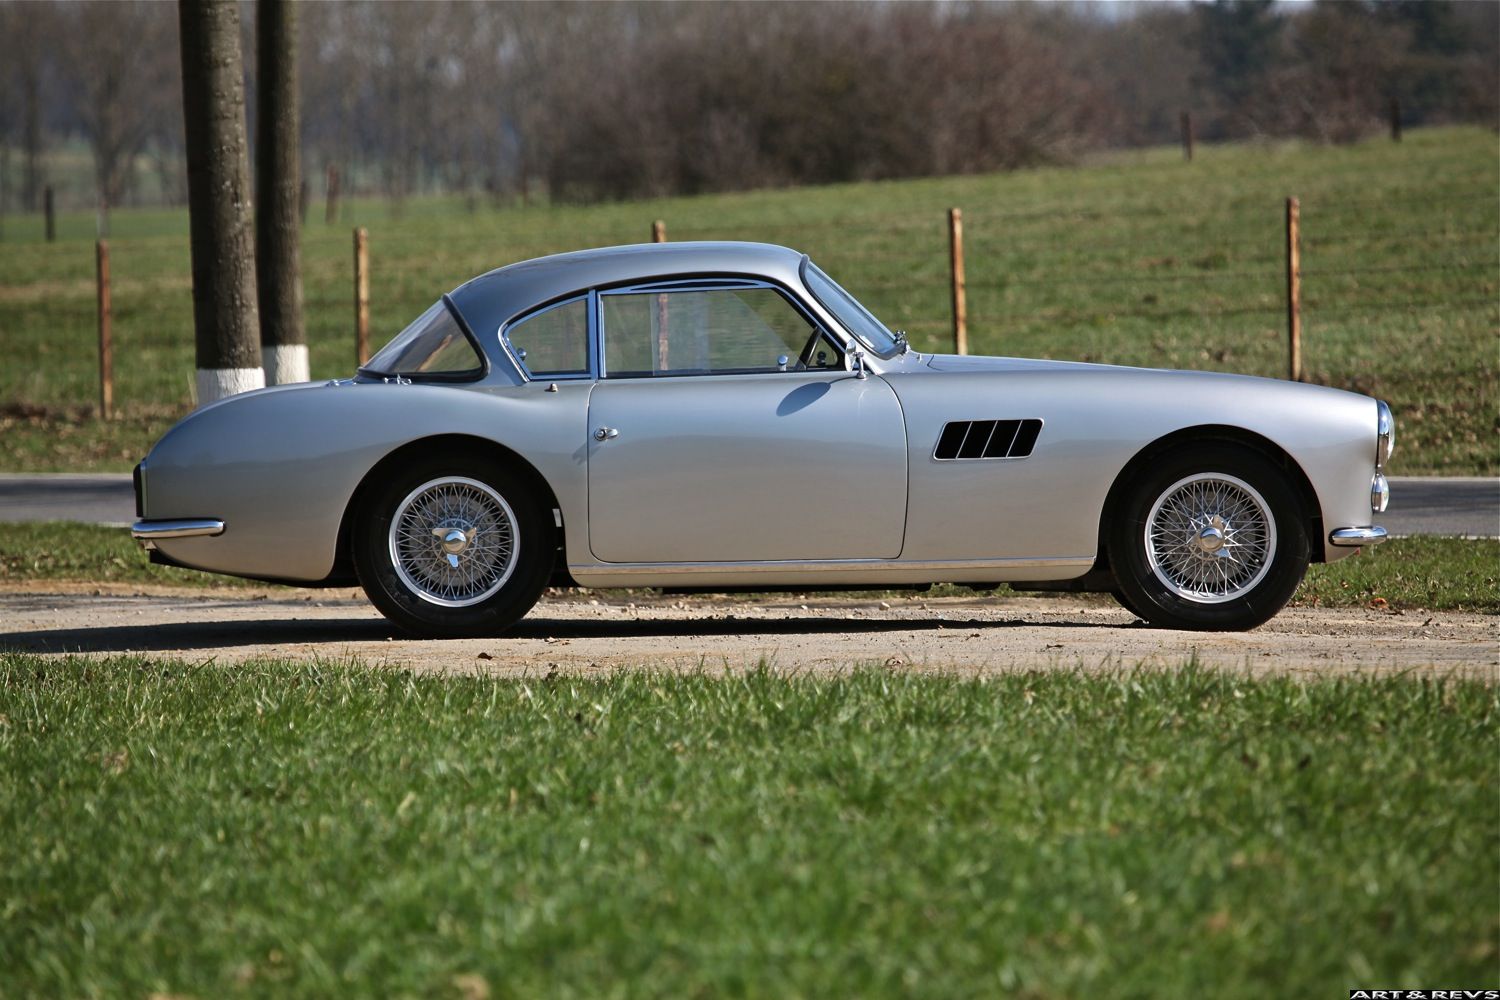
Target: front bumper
column 148, row 533
column 1349, row 537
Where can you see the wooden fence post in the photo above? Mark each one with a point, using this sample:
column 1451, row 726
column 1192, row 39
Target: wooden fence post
column 361, row 295
column 956, row 264
column 658, row 231
column 1294, row 290
column 106, row 347
column 331, row 189
column 1395, row 119
column 1186, row 120
column 49, row 211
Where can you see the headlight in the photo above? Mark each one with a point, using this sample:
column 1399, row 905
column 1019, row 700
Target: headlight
column 1386, row 430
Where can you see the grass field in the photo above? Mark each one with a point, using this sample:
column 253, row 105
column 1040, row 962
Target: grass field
column 317, row 830
column 1442, row 574
column 1135, row 258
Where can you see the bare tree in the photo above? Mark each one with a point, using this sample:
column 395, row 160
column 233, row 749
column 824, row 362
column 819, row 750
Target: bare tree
column 28, row 29
column 213, row 106
column 113, row 64
column 278, row 181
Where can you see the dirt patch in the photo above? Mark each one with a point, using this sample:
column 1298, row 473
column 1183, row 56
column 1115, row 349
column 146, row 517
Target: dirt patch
column 584, row 634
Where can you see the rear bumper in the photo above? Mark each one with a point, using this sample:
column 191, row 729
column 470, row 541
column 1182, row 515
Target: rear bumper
column 1350, row 537
column 147, row 533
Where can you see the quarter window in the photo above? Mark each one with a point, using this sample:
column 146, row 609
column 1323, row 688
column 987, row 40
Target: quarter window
column 553, row 342
column 709, row 331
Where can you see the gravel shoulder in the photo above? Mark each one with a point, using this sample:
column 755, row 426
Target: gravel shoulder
column 573, row 633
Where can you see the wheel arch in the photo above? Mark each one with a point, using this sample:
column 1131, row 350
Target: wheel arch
column 1197, row 435
column 468, row 445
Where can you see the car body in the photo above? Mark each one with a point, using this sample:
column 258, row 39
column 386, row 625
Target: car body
column 724, row 415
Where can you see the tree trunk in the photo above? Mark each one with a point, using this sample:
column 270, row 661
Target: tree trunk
column 278, row 253
column 219, row 211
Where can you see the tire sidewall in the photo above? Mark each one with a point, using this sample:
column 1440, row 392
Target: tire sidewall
column 1149, row 597
column 394, row 599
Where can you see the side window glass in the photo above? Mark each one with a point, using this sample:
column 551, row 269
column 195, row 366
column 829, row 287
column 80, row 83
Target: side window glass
column 553, row 342
column 717, row 331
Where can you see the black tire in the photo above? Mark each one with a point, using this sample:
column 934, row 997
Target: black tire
column 1124, row 602
column 509, row 548
column 1228, row 496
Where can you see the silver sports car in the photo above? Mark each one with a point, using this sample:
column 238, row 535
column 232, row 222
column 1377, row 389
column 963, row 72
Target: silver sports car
column 724, row 416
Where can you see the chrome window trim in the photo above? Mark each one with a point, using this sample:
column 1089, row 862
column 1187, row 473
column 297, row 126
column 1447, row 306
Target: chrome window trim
column 716, row 284
column 503, row 336
column 802, row 267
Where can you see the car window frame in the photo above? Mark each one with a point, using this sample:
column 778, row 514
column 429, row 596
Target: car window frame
column 707, row 284
column 591, row 371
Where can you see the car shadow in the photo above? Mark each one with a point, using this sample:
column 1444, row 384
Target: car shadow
column 167, row 637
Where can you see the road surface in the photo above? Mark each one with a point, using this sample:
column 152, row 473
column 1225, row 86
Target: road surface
column 569, row 633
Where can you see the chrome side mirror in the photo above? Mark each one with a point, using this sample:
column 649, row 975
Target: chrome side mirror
column 857, row 363
column 781, row 362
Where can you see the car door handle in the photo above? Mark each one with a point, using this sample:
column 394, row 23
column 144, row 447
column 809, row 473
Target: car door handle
column 605, row 433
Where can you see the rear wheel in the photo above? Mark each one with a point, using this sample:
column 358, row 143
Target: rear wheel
column 453, row 547
column 1211, row 537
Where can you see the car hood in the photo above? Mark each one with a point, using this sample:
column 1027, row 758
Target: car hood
column 976, row 363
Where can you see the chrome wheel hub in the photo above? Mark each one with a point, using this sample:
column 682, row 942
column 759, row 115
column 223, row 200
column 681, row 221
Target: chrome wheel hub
column 453, row 541
column 1210, row 538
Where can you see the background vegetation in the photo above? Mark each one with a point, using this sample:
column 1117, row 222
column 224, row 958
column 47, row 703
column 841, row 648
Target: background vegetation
column 638, row 99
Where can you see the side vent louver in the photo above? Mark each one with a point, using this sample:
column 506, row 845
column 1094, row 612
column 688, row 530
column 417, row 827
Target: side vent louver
column 987, row 439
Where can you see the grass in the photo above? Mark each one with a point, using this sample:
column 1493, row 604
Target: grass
column 1407, row 573
column 1134, row 258
column 315, row 830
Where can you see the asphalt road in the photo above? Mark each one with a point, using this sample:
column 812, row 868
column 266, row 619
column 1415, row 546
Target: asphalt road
column 1419, row 506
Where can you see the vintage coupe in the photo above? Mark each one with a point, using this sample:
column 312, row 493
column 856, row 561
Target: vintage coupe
column 725, row 416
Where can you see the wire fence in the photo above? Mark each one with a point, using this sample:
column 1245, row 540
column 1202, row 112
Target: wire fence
column 1133, row 284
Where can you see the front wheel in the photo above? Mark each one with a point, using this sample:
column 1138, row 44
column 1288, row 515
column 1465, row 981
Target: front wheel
column 452, row 547
column 1210, row 538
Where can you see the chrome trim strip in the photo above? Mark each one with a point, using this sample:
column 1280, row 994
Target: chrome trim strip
column 830, row 565
column 179, row 528
column 1350, row 537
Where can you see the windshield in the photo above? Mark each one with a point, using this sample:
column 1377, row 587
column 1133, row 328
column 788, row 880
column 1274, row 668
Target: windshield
column 433, row 345
column 846, row 309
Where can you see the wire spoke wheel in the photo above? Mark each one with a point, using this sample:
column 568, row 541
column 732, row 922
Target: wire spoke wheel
column 453, row 541
column 1210, row 538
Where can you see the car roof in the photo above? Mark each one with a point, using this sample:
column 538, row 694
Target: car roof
column 493, row 299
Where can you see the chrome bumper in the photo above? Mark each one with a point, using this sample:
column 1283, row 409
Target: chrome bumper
column 147, row 533
column 1350, row 537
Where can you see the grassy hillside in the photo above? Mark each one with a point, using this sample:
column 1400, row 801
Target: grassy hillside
column 1134, row 258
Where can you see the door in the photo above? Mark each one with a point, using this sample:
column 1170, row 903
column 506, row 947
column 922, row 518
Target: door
column 726, row 430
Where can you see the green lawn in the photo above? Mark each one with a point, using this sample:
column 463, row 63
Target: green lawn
column 320, row 830
column 1435, row 573
column 1135, row 258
